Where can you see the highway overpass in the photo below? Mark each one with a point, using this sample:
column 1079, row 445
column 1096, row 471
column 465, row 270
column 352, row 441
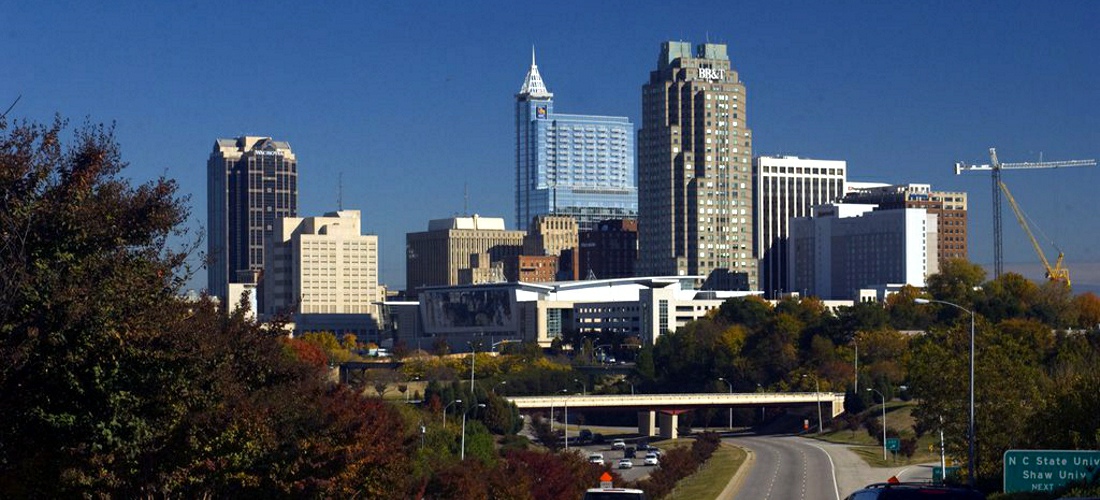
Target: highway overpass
column 666, row 407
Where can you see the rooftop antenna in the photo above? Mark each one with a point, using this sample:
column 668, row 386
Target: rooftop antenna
column 340, row 191
column 466, row 188
column 12, row 106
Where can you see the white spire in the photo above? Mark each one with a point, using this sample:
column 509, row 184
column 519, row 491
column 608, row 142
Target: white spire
column 532, row 83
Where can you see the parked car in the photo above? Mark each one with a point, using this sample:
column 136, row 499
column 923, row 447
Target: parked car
column 626, row 463
column 596, row 458
column 652, row 459
column 618, row 444
column 897, row 490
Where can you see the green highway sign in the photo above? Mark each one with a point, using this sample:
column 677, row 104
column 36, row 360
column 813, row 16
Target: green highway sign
column 893, row 444
column 937, row 473
column 1046, row 470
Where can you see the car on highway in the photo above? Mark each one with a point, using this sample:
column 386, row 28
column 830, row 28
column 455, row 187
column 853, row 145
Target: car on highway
column 618, row 444
column 652, row 459
column 626, row 463
column 596, row 458
column 896, row 490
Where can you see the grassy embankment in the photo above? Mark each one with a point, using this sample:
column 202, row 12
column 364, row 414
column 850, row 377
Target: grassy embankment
column 899, row 416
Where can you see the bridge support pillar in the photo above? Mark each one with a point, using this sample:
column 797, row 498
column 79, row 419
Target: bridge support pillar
column 668, row 423
column 646, row 420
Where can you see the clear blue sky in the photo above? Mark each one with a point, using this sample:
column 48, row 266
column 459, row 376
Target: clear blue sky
column 411, row 101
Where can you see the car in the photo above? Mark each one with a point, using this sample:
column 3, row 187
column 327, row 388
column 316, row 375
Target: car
column 614, row 494
column 897, row 490
column 618, row 444
column 652, row 459
column 629, row 452
column 626, row 463
column 596, row 458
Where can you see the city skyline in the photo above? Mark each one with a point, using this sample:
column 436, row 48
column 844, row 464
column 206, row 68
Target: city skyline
column 405, row 100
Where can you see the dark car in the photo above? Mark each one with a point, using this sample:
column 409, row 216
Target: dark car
column 628, row 452
column 895, row 490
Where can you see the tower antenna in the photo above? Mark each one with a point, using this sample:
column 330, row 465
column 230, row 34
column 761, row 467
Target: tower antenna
column 340, row 191
column 465, row 199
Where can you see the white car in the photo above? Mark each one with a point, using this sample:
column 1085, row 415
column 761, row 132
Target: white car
column 626, row 463
column 596, row 458
column 618, row 444
column 651, row 459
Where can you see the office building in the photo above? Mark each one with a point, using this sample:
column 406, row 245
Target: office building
column 610, row 250
column 787, row 187
column 251, row 183
column 576, row 165
column 949, row 207
column 845, row 248
column 321, row 265
column 457, row 246
column 695, row 212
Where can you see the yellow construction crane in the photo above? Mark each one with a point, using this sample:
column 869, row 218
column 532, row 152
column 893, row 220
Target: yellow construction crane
column 995, row 168
column 1055, row 272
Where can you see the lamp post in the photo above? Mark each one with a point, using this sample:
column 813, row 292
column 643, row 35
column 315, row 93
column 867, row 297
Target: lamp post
column 445, row 411
column 723, row 379
column 584, row 387
column 970, row 457
column 883, row 421
column 566, row 422
column 817, row 395
column 462, row 453
column 631, row 387
column 473, row 360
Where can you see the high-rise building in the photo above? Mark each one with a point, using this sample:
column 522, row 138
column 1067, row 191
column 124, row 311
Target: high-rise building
column 251, row 183
column 694, row 154
column 322, row 265
column 787, row 187
column 460, row 246
column 843, row 248
column 949, row 207
column 610, row 250
column 576, row 165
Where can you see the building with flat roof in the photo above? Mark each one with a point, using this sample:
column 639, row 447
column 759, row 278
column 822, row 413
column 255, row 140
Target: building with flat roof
column 610, row 250
column 694, row 154
column 576, row 165
column 250, row 183
column 788, row 187
column 949, row 207
column 843, row 248
column 324, row 271
column 452, row 248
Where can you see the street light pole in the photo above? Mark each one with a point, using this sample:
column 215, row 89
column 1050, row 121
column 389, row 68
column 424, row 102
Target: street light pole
column 970, row 456
column 584, row 387
column 566, row 419
column 445, row 411
column 462, row 453
column 817, row 395
column 883, row 421
column 723, row 379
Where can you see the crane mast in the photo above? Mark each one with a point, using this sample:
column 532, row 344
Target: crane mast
column 995, row 167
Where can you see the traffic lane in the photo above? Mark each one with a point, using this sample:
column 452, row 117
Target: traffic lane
column 785, row 467
column 611, row 459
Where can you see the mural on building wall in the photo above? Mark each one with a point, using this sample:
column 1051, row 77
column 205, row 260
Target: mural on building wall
column 489, row 310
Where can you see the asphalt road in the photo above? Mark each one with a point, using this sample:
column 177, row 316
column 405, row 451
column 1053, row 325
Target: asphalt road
column 786, row 468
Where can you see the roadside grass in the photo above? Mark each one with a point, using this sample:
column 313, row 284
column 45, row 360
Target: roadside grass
column 899, row 416
column 709, row 481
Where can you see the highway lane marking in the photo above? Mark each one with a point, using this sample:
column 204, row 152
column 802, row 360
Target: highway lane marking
column 832, row 467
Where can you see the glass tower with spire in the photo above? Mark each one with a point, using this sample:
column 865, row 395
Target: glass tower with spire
column 576, row 165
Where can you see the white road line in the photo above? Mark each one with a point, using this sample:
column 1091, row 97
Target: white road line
column 832, row 467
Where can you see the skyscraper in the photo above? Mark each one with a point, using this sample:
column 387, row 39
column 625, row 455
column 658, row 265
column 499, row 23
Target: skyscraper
column 251, row 182
column 694, row 212
column 576, row 165
column 788, row 187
